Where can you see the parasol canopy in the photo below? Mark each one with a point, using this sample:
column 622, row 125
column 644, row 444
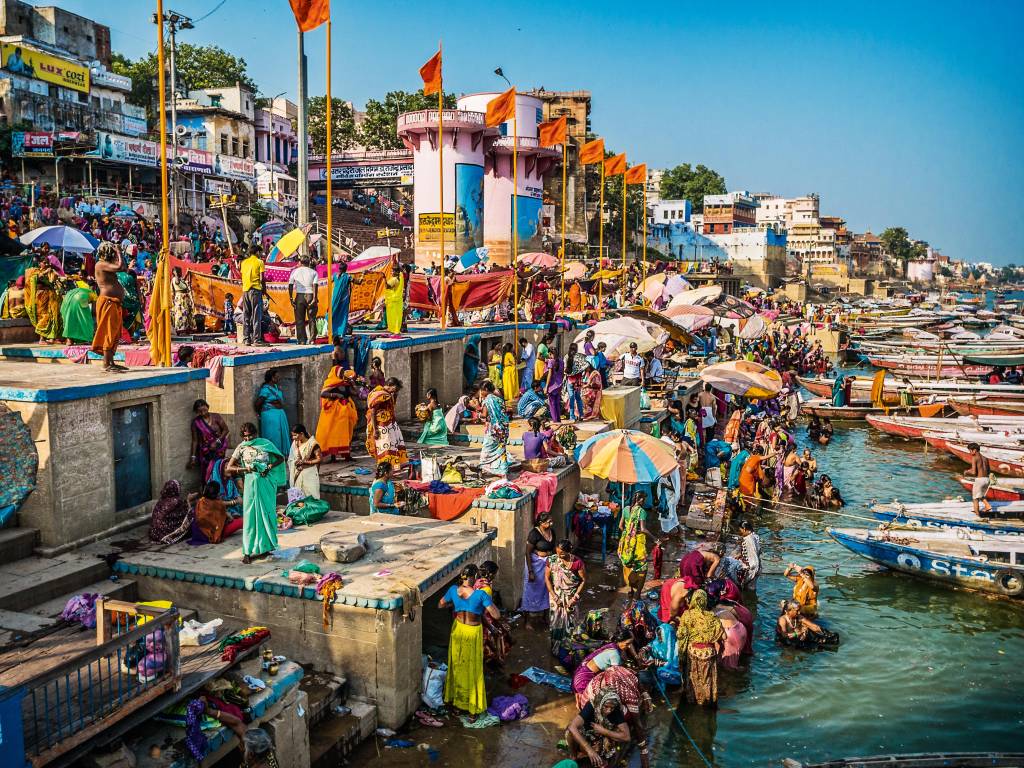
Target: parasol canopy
column 690, row 316
column 289, row 243
column 754, row 328
column 539, row 260
column 575, row 270
column 371, row 258
column 619, row 332
column 664, row 285
column 627, row 456
column 701, row 296
column 674, row 329
column 58, row 236
column 744, row 378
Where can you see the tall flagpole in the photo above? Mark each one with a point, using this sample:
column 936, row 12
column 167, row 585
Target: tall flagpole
column 644, row 258
column 440, row 182
column 330, row 199
column 600, row 243
column 515, row 219
column 624, row 217
column 165, row 252
column 565, row 162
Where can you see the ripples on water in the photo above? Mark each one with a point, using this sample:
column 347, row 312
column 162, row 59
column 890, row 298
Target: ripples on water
column 921, row 667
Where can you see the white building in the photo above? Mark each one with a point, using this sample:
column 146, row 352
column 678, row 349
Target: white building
column 757, row 255
column 780, row 213
column 667, row 211
column 654, row 185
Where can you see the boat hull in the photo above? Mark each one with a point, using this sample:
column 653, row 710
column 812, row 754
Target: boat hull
column 911, row 520
column 996, row 491
column 987, row 408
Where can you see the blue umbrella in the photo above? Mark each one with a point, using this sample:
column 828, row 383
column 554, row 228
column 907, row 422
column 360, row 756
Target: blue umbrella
column 59, row 236
column 471, row 258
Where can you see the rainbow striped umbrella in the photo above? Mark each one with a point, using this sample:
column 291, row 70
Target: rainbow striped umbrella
column 627, row 456
column 744, row 378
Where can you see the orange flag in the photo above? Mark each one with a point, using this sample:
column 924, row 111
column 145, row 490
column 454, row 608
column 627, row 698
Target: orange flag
column 310, row 14
column 637, row 174
column 501, row 108
column 431, row 74
column 615, row 166
column 552, row 132
column 592, row 152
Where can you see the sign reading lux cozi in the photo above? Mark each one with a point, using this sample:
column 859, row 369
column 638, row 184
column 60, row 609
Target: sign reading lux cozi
column 28, row 62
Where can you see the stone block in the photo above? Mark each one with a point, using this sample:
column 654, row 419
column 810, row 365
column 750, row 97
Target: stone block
column 341, row 548
column 289, row 731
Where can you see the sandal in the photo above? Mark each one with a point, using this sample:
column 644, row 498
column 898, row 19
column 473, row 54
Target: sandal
column 425, row 718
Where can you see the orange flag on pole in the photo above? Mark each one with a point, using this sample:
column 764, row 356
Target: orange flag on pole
column 310, row 14
column 552, row 132
column 615, row 166
column 431, row 74
column 592, row 152
column 501, row 108
column 637, row 174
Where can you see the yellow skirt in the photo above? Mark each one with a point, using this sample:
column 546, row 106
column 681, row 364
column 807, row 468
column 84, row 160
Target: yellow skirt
column 464, row 685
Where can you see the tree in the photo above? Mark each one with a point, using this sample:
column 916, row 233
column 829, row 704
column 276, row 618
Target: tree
column 380, row 127
column 197, row 67
column 897, row 243
column 686, row 183
column 343, row 127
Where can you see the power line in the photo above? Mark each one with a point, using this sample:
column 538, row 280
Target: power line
column 208, row 15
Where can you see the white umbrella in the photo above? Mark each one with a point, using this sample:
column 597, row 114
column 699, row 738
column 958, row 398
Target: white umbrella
column 618, row 333
column 699, row 296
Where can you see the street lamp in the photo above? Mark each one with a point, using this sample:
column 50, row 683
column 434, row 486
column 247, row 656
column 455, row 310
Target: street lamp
column 501, row 74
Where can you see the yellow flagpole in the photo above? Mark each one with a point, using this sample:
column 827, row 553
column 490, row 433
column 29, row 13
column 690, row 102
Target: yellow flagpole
column 565, row 162
column 440, row 184
column 600, row 242
column 515, row 221
column 164, row 214
column 622, row 279
column 644, row 258
column 330, row 199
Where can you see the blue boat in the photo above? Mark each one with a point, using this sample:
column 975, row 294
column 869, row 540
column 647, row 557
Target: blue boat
column 956, row 558
column 953, row 514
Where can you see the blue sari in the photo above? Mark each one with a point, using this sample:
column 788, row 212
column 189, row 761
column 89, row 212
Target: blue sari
column 838, row 393
column 340, row 303
column 494, row 453
column 273, row 420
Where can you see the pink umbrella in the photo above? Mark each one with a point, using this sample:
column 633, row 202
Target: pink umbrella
column 690, row 316
column 575, row 270
column 538, row 259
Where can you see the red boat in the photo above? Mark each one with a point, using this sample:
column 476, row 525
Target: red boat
column 1002, row 488
column 987, row 407
column 896, row 425
column 1000, row 460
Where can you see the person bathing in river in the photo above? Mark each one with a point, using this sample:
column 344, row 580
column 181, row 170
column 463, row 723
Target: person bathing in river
column 980, row 470
column 793, row 628
column 805, row 588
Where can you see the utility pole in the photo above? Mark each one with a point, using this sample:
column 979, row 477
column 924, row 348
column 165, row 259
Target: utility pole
column 174, row 21
column 302, row 129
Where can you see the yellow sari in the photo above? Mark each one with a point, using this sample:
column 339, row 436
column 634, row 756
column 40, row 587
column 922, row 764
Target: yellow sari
column 394, row 301
column 510, row 378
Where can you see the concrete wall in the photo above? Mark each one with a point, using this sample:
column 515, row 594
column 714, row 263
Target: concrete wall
column 74, row 498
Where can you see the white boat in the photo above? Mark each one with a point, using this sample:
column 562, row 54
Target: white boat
column 1007, row 518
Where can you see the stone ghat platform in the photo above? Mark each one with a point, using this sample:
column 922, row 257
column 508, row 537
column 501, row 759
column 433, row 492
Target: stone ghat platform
column 371, row 636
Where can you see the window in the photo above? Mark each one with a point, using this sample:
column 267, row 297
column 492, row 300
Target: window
column 245, row 148
column 995, row 557
column 224, row 145
column 234, row 146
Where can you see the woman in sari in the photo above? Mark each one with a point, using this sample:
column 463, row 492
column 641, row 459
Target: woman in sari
column 555, row 372
column 494, row 371
column 497, row 632
column 700, row 636
column 632, row 550
column 509, row 374
column 494, row 452
column 171, row 519
column 76, row 314
column 384, row 441
column 575, row 298
column 471, row 360
column 597, row 661
column 457, row 413
column 338, row 415
column 735, row 636
column 209, row 438
column 565, row 576
column 435, row 430
column 273, row 419
column 636, row 703
column 131, row 302
column 599, row 732
column 593, row 391
column 42, row 301
column 540, row 545
column 182, row 308
column 212, row 522
column 304, row 463
column 12, row 305
column 394, row 302
column 464, row 685
column 839, row 391
column 262, row 465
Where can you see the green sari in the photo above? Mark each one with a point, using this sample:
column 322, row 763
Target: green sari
column 435, row 431
column 259, row 494
column 76, row 313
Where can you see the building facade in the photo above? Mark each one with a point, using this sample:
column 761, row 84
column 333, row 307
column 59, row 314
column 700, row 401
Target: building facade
column 756, row 255
column 724, row 213
column 277, row 146
column 779, row 213
column 664, row 211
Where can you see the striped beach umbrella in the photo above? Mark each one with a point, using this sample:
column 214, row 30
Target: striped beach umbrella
column 743, row 378
column 626, row 456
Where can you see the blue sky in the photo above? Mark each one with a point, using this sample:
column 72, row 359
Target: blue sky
column 897, row 113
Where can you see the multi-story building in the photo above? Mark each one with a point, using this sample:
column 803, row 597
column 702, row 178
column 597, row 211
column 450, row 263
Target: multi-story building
column 756, row 255
column 867, row 256
column 724, row 213
column 779, row 213
column 82, row 38
column 664, row 211
column 654, row 177
column 277, row 145
column 575, row 105
column 219, row 120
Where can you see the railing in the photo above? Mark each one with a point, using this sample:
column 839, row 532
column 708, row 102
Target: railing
column 136, row 659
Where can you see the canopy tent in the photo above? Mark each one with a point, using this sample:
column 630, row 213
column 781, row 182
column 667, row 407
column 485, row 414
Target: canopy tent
column 372, row 258
column 675, row 330
column 744, row 378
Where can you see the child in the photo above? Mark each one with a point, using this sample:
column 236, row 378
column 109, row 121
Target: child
column 229, row 314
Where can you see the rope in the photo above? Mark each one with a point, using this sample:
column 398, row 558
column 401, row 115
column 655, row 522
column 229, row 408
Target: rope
column 809, row 509
column 679, row 722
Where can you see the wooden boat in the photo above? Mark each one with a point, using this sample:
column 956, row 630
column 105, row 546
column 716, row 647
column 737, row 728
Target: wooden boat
column 972, row 560
column 822, row 387
column 922, row 365
column 914, row 427
column 1002, row 461
column 986, row 407
column 1001, row 488
column 1006, row 521
column 823, row 408
column 922, row 760
column 1013, row 441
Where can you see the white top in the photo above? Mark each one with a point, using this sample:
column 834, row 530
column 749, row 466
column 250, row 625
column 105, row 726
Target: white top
column 631, row 366
column 304, row 279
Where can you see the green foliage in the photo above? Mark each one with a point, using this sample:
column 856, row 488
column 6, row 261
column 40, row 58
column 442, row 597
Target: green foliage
column 897, row 243
column 343, row 127
column 380, row 130
column 688, row 183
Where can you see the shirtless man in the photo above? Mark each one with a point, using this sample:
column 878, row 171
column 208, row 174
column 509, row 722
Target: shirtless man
column 109, row 318
column 979, row 468
column 708, row 404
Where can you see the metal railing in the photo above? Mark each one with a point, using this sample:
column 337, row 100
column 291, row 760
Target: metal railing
column 136, row 659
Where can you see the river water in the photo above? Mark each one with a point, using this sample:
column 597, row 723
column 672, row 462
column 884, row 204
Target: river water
column 921, row 667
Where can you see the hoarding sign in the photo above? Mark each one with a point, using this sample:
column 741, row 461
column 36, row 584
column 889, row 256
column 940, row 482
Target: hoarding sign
column 21, row 60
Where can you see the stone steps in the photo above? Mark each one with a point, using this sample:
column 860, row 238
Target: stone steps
column 123, row 589
column 17, row 543
column 34, row 580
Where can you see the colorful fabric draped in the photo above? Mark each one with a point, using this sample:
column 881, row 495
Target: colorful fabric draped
column 340, row 300
column 131, row 304
column 306, row 479
column 273, row 419
column 76, row 314
column 259, row 495
column 210, row 447
column 384, row 439
column 494, row 453
column 565, row 609
column 510, row 377
column 435, row 431
column 464, row 685
column 337, row 419
column 394, row 303
column 42, row 302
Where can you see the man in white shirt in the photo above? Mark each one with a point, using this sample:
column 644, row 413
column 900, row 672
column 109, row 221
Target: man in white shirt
column 301, row 293
column 632, row 367
column 750, row 554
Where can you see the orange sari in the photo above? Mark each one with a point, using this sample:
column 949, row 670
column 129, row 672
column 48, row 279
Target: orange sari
column 337, row 418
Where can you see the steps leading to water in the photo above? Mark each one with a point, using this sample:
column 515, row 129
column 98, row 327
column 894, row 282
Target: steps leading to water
column 17, row 543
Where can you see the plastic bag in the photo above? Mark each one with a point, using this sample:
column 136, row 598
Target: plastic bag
column 307, row 511
column 306, row 567
column 434, row 674
column 196, row 633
